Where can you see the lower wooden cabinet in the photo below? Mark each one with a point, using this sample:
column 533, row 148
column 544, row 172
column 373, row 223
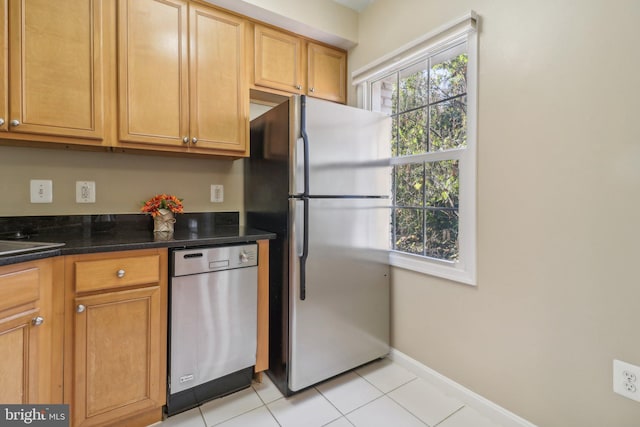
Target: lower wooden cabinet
column 115, row 358
column 110, row 311
column 30, row 360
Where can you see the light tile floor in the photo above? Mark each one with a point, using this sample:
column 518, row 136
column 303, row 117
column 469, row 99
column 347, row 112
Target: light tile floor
column 381, row 393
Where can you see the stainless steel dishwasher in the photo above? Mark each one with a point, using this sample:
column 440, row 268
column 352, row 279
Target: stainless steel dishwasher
column 213, row 312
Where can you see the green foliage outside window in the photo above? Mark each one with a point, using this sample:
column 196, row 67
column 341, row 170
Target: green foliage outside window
column 428, row 105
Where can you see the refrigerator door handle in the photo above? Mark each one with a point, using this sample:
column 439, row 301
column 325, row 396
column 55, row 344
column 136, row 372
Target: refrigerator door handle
column 305, row 248
column 305, row 197
column 305, row 144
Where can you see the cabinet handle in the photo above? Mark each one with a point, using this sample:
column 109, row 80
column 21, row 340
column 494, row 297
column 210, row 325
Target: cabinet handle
column 80, row 308
column 298, row 87
column 194, row 140
column 120, row 273
column 185, row 140
column 37, row 321
column 14, row 122
column 1, row 122
column 312, row 89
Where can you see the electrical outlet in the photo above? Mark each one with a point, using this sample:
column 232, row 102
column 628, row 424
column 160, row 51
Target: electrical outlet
column 41, row 191
column 85, row 192
column 217, row 193
column 625, row 379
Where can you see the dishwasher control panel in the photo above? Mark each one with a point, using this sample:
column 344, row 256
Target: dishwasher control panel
column 203, row 260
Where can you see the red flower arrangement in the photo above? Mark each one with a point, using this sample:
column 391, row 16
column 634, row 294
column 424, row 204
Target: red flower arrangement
column 162, row 201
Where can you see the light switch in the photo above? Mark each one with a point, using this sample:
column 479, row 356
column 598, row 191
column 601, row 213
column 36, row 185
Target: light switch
column 41, row 191
column 217, row 193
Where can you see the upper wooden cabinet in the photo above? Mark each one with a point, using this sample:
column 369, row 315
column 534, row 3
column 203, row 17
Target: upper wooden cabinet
column 181, row 77
column 278, row 60
column 327, row 73
column 52, row 81
column 288, row 63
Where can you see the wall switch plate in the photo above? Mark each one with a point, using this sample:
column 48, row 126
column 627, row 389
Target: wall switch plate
column 626, row 379
column 41, row 191
column 217, row 193
column 85, row 192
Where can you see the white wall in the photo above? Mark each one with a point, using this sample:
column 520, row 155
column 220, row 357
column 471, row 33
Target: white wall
column 323, row 20
column 559, row 201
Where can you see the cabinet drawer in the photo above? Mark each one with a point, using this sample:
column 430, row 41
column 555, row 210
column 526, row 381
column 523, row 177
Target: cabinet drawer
column 116, row 272
column 20, row 287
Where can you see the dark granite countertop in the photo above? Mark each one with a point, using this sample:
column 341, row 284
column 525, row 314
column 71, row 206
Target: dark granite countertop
column 83, row 234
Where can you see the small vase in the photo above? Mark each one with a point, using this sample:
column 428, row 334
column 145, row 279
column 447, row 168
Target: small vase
column 163, row 223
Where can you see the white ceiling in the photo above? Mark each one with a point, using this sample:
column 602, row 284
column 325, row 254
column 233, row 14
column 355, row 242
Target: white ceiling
column 357, row 5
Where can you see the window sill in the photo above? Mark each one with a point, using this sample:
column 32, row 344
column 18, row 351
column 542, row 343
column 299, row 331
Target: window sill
column 433, row 267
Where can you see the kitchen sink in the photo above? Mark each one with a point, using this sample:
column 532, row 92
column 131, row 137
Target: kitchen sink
column 15, row 247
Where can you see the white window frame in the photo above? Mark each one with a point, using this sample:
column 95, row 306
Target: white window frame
column 460, row 30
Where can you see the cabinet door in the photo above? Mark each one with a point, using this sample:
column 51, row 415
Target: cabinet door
column 19, row 350
column 153, row 71
column 327, row 73
column 4, row 75
column 118, row 355
column 277, row 60
column 26, row 325
column 56, row 67
column 219, row 93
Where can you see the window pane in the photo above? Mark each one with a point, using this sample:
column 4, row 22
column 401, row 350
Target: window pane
column 441, row 234
column 409, row 185
column 448, row 76
column 414, row 87
column 412, row 132
column 441, row 222
column 408, row 230
column 442, row 186
column 448, row 124
column 395, row 140
column 384, row 95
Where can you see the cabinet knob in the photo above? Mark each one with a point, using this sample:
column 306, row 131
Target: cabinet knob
column 185, row 140
column 298, row 87
column 80, row 308
column 1, row 122
column 37, row 321
column 194, row 140
column 312, row 89
column 14, row 122
column 120, row 273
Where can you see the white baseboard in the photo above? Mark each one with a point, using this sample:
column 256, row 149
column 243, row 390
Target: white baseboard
column 484, row 406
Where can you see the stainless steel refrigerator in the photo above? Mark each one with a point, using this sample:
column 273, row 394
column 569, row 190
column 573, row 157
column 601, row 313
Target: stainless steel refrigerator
column 319, row 177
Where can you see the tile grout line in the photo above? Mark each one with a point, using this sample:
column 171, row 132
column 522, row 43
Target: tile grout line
column 450, row 415
column 235, row 416
column 407, row 409
column 336, row 408
column 272, row 414
column 266, row 405
column 415, row 377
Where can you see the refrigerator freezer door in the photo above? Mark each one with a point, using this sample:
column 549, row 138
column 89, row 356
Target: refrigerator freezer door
column 344, row 320
column 349, row 151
